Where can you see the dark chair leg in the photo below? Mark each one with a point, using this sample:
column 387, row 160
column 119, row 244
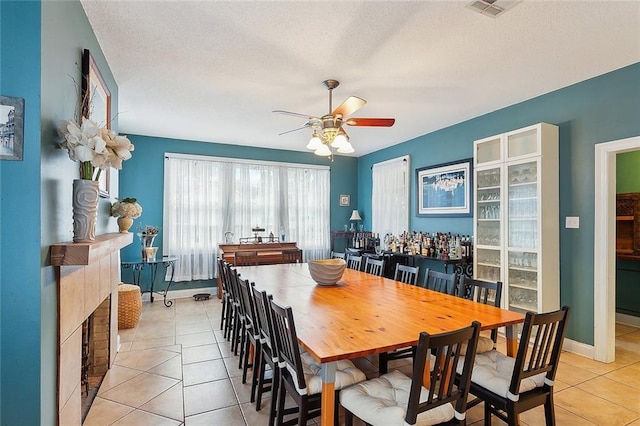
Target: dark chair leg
column 549, row 411
column 257, row 366
column 304, row 410
column 348, row 418
column 280, row 409
column 512, row 415
column 275, row 383
column 487, row 414
column 382, row 363
column 223, row 314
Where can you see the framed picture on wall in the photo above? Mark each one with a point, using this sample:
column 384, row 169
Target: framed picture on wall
column 11, row 128
column 445, row 189
column 345, row 200
column 96, row 106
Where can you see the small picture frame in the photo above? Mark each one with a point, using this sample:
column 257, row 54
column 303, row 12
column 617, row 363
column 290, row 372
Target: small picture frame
column 345, row 200
column 445, row 189
column 11, row 128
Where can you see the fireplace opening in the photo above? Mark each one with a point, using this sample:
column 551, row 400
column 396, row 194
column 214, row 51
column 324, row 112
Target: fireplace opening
column 95, row 354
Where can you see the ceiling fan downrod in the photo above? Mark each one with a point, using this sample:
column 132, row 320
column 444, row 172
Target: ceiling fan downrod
column 331, row 84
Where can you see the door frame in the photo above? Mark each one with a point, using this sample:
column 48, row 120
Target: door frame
column 604, row 261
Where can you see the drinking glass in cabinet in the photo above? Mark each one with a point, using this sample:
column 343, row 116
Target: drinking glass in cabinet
column 523, row 259
column 489, row 257
column 523, row 298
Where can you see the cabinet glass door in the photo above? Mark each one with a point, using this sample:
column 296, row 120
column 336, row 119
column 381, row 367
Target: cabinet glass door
column 522, row 143
column 488, row 150
column 523, row 281
column 522, row 184
column 488, row 208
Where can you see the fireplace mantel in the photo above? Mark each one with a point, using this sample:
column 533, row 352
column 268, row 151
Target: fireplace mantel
column 88, row 274
column 69, row 254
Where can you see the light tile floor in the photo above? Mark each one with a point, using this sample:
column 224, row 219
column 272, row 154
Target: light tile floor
column 175, row 368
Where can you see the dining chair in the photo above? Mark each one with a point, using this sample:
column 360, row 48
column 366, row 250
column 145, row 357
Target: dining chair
column 225, row 293
column 374, row 266
column 337, row 255
column 395, row 399
column 301, row 379
column 509, row 386
column 354, row 262
column 406, row 274
column 251, row 333
column 486, row 292
column 440, row 281
column 245, row 258
column 237, row 333
column 265, row 355
column 292, row 256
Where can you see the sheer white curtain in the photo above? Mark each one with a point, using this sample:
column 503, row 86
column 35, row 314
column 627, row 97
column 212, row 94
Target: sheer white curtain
column 307, row 210
column 193, row 215
column 207, row 196
column 390, row 196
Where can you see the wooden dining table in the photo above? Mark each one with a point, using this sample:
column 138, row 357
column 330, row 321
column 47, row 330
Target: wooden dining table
column 363, row 314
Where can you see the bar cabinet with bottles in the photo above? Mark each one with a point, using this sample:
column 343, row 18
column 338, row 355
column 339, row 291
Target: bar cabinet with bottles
column 516, row 219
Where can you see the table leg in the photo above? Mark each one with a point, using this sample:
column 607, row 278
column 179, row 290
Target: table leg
column 328, row 373
column 169, row 264
column 512, row 341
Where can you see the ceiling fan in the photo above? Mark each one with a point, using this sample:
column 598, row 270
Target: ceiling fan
column 327, row 129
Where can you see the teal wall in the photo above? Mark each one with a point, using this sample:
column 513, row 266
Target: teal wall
column 142, row 177
column 628, row 172
column 601, row 109
column 20, row 332
column 40, row 60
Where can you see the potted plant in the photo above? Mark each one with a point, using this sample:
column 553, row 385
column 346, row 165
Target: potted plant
column 126, row 210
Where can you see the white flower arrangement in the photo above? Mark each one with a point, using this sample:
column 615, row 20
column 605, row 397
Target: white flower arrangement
column 127, row 207
column 96, row 148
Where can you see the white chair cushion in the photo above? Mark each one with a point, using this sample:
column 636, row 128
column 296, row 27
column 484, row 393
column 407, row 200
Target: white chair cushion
column 383, row 401
column 485, row 344
column 493, row 370
column 347, row 374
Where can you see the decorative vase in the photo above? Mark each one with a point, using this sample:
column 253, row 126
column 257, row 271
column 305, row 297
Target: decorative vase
column 85, row 210
column 124, row 223
column 147, row 242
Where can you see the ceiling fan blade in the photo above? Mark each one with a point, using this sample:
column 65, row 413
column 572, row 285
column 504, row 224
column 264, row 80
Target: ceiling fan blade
column 296, row 114
column 349, row 106
column 376, row 122
column 306, row 126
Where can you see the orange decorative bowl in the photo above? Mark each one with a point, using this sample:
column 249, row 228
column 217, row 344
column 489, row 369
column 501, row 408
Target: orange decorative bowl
column 327, row 271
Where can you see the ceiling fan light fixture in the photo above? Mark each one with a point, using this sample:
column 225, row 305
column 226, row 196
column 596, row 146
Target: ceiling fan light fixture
column 323, row 151
column 315, row 142
column 339, row 141
column 347, row 148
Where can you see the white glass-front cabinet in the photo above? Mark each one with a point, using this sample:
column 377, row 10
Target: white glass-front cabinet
column 516, row 216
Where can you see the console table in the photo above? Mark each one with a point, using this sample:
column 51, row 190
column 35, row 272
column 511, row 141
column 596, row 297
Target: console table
column 138, row 265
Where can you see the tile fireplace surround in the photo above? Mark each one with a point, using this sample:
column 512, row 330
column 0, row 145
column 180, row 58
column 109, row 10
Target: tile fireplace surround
column 87, row 274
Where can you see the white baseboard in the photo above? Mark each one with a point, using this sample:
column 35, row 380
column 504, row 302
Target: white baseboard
column 578, row 348
column 181, row 294
column 628, row 319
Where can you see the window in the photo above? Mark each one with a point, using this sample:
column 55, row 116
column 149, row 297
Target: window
column 204, row 197
column 390, row 196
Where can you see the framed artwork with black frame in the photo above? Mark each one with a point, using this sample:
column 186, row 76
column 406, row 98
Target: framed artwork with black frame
column 96, row 106
column 445, row 189
column 11, row 128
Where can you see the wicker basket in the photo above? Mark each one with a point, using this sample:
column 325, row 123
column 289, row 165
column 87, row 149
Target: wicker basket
column 129, row 305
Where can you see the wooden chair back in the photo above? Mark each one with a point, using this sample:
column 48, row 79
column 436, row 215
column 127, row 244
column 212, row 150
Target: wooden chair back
column 442, row 352
column 337, row 255
column 440, row 281
column 286, row 340
column 354, row 262
column 486, row 292
column 374, row 266
column 406, row 274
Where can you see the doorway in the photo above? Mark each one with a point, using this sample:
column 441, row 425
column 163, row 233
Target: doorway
column 604, row 269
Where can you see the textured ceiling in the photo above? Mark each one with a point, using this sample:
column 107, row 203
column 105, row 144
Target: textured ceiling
column 214, row 71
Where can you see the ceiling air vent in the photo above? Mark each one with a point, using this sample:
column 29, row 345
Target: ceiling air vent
column 492, row 8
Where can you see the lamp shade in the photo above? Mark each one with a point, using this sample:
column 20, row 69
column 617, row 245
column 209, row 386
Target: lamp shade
column 355, row 215
column 323, row 150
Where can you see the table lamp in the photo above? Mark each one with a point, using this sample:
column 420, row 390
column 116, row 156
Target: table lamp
column 354, row 216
